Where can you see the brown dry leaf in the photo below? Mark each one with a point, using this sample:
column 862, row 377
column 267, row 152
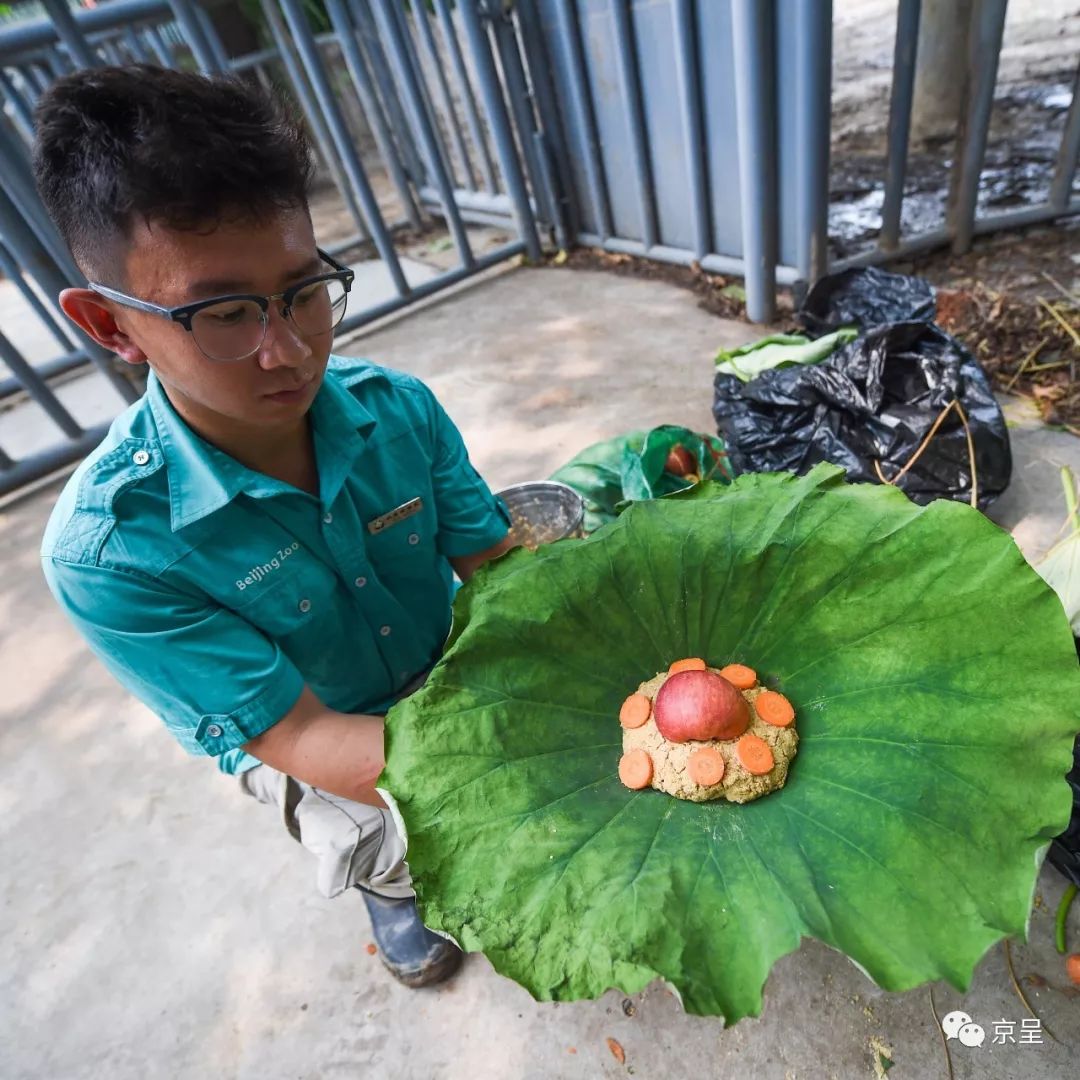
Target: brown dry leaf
column 617, row 1052
column 1048, row 393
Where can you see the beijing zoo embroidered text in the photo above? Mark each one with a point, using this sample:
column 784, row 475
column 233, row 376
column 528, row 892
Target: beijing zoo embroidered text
column 257, row 573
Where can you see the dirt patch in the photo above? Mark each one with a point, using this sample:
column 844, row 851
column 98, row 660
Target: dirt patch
column 1020, row 320
column 1029, row 347
column 722, row 296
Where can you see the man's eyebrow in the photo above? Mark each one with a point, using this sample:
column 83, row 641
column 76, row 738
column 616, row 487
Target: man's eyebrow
column 212, row 287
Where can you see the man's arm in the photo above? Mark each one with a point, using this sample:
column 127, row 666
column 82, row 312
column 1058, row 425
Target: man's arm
column 467, row 565
column 341, row 753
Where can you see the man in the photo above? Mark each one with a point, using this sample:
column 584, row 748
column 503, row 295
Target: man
column 262, row 549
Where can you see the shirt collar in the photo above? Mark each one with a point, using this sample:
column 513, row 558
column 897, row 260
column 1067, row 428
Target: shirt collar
column 203, row 479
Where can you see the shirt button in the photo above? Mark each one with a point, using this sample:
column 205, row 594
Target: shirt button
column 414, row 538
column 327, row 518
column 360, row 582
column 140, row 457
column 214, row 731
column 385, row 631
column 304, row 605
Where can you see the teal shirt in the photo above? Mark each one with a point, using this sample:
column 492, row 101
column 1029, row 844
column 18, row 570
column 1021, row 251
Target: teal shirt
column 214, row 593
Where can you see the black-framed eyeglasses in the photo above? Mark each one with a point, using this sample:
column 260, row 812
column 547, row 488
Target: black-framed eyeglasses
column 233, row 327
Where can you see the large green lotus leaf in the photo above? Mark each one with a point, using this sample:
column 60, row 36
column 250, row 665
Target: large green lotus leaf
column 937, row 694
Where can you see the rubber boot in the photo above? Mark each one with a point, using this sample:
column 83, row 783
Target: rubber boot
column 413, row 954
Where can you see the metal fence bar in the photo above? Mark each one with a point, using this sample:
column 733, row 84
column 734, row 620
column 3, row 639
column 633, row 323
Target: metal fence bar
column 429, row 143
column 521, row 108
column 551, row 138
column 23, row 37
column 713, row 264
column 813, row 117
column 902, row 94
column 984, row 47
column 31, row 81
column 16, row 474
column 22, row 112
column 59, row 63
column 427, row 42
column 429, row 288
column 937, row 238
column 491, row 93
column 112, row 54
column 221, row 57
column 13, row 272
column 398, row 15
column 1061, row 185
column 136, row 47
column 19, row 184
column 752, row 30
column 38, row 389
column 35, row 258
column 384, row 80
column 688, row 74
column 311, row 110
column 354, row 169
column 468, row 99
column 160, row 46
column 369, row 101
column 70, row 34
column 580, row 100
column 58, row 365
column 630, row 84
column 200, row 47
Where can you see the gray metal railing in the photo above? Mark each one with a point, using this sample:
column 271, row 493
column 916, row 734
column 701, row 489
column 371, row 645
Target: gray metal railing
column 379, row 77
column 688, row 131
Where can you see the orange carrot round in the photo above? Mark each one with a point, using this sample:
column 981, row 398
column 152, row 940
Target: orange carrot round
column 635, row 769
column 740, row 676
column 636, row 709
column 706, row 766
column 1072, row 967
column 754, row 755
column 692, row 664
column 774, row 708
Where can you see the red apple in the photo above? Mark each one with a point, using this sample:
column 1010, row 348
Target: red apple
column 700, row 705
column 680, row 461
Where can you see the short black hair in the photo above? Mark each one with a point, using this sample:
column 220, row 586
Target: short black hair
column 188, row 151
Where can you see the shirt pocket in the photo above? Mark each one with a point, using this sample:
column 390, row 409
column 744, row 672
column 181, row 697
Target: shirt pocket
column 301, row 612
column 407, row 546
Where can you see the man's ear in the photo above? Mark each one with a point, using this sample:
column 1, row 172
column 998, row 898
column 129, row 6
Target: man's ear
column 94, row 315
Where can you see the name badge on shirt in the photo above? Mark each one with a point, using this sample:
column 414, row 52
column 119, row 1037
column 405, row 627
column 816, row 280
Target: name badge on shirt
column 392, row 517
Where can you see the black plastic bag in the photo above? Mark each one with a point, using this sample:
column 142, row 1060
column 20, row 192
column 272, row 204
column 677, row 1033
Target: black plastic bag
column 874, row 401
column 866, row 298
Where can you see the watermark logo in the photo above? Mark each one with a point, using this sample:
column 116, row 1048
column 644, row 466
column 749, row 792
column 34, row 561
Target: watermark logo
column 958, row 1025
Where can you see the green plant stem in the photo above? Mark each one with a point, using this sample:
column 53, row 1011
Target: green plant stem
column 1062, row 915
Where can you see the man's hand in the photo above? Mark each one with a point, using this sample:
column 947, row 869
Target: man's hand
column 341, row 753
column 467, row 565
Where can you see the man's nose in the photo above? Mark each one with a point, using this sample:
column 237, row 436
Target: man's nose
column 283, row 345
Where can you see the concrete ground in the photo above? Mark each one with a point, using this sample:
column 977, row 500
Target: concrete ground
column 159, row 924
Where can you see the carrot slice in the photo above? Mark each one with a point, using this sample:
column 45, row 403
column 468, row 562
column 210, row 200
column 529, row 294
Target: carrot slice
column 740, row 676
column 754, row 755
column 706, row 766
column 692, row 664
column 635, row 769
column 636, row 709
column 774, row 708
column 1072, row 968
